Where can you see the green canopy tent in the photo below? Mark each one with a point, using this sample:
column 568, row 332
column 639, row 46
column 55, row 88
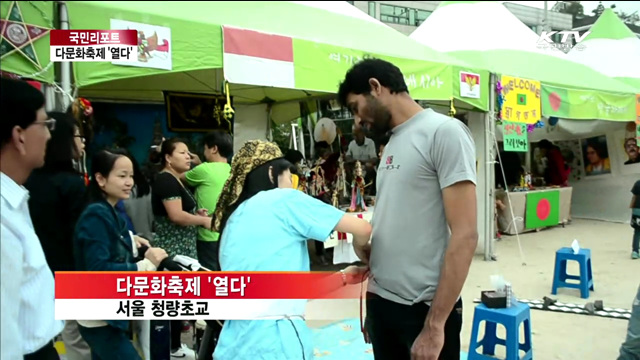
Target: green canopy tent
column 487, row 35
column 321, row 41
column 24, row 43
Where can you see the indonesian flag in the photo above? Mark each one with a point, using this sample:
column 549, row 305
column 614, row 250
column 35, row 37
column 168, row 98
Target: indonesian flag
column 257, row 58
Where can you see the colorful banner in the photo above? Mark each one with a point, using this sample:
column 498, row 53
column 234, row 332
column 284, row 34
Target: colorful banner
column 196, row 295
column 470, row 85
column 515, row 137
column 587, row 104
column 425, row 80
column 542, row 209
column 257, row 58
column 154, row 44
column 521, row 100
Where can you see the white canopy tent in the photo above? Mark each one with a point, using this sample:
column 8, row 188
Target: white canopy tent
column 611, row 48
column 474, row 29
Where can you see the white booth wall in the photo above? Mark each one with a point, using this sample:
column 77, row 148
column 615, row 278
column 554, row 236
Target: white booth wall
column 607, row 197
column 600, row 197
column 250, row 123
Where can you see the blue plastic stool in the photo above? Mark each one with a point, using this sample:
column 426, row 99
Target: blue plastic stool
column 560, row 275
column 512, row 318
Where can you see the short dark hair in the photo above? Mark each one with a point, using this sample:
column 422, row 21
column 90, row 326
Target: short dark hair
column 220, row 139
column 357, row 79
column 545, row 144
column 20, row 104
column 61, row 148
column 293, row 156
column 322, row 145
column 168, row 147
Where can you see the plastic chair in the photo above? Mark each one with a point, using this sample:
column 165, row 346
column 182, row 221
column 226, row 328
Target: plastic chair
column 560, row 276
column 512, row 319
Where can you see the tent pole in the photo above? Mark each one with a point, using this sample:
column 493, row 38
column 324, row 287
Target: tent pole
column 489, row 206
column 65, row 67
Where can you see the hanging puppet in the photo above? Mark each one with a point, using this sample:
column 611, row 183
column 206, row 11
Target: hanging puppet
column 357, row 191
column 341, row 178
column 82, row 112
column 334, row 199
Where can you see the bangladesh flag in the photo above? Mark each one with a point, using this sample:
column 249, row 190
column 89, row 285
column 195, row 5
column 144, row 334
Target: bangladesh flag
column 543, row 209
column 522, row 99
column 555, row 102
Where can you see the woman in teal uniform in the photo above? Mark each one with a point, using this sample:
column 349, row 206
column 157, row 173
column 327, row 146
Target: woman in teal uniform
column 264, row 225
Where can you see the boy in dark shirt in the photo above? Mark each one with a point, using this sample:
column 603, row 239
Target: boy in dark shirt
column 635, row 219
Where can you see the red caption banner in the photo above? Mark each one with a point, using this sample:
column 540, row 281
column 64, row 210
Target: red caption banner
column 203, row 285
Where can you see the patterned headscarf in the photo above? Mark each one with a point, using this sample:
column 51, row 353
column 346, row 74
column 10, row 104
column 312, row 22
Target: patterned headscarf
column 253, row 154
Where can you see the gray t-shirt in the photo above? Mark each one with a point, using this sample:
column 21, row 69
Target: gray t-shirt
column 426, row 154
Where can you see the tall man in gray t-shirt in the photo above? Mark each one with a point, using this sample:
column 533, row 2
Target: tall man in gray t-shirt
column 425, row 220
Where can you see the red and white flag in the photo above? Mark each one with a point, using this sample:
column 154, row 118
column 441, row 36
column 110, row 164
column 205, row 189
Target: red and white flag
column 257, row 58
column 93, row 45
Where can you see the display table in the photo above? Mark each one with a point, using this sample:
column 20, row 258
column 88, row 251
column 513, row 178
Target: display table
column 518, row 202
column 332, row 240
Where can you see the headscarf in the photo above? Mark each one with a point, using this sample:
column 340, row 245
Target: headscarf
column 252, row 155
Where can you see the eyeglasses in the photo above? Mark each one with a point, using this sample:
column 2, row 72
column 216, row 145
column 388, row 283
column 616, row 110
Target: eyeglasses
column 81, row 138
column 50, row 124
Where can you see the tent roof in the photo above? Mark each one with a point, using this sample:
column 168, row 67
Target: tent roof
column 196, row 35
column 612, row 49
column 477, row 26
column 487, row 35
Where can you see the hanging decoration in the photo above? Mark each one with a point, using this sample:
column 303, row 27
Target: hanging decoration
column 499, row 102
column 19, row 36
column 538, row 125
column 452, row 108
column 82, row 112
column 228, row 110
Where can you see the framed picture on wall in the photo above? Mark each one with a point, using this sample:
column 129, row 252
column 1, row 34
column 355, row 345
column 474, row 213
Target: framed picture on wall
column 627, row 151
column 189, row 112
column 596, row 156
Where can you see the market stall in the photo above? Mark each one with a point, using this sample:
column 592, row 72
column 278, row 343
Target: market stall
column 532, row 210
column 535, row 83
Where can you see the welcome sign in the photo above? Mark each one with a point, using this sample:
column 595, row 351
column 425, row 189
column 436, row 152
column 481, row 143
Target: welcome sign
column 521, row 100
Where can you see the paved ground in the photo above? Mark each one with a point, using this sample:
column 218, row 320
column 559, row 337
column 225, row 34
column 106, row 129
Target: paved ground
column 555, row 335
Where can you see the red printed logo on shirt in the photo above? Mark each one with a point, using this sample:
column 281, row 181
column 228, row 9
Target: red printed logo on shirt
column 389, row 160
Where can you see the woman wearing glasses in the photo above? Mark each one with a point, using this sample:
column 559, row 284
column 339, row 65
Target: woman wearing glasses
column 55, row 203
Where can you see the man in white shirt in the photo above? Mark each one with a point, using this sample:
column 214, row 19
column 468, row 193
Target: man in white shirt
column 362, row 149
column 27, row 285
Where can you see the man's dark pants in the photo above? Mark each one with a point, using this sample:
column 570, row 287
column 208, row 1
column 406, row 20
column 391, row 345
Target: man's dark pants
column 208, row 257
column 393, row 328
column 208, row 254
